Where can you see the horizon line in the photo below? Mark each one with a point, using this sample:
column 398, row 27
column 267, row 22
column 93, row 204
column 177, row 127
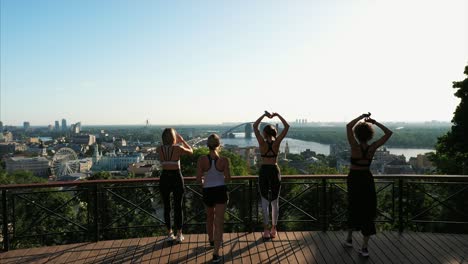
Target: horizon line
column 227, row 123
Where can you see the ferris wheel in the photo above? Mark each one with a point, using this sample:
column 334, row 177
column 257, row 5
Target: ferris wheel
column 65, row 162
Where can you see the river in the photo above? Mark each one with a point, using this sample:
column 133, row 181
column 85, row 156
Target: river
column 298, row 146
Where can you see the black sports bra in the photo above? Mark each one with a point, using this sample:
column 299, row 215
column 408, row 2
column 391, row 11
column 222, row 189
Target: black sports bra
column 270, row 150
column 167, row 152
column 363, row 161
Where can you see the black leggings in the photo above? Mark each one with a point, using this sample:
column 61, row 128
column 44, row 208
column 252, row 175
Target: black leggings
column 172, row 181
column 269, row 178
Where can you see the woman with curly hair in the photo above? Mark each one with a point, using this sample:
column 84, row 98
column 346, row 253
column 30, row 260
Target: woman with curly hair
column 362, row 200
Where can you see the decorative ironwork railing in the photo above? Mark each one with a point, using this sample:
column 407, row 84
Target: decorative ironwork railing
column 69, row 212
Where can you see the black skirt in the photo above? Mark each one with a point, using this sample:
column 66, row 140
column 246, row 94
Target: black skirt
column 362, row 201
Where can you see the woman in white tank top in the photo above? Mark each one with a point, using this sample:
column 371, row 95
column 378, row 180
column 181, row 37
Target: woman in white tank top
column 212, row 172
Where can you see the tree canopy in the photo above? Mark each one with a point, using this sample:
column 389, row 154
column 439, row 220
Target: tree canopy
column 452, row 148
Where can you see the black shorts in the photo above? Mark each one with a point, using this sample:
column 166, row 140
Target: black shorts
column 215, row 195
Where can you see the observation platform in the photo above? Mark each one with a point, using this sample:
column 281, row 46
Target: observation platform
column 119, row 221
column 287, row 247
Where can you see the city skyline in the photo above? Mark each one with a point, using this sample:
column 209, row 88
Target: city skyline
column 211, row 62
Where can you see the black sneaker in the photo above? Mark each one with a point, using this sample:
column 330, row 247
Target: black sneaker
column 364, row 252
column 216, row 258
column 211, row 243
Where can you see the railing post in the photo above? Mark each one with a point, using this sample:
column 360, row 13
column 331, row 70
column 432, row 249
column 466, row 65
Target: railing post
column 96, row 211
column 324, row 205
column 400, row 204
column 251, row 226
column 6, row 236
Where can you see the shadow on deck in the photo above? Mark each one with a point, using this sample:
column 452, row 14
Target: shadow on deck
column 288, row 247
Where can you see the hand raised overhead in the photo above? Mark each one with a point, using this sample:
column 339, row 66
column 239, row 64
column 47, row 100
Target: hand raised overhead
column 369, row 120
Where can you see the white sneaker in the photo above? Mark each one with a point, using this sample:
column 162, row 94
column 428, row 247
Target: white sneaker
column 348, row 243
column 170, row 237
column 180, row 238
column 364, row 252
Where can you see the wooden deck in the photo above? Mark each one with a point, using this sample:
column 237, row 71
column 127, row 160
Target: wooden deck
column 288, row 247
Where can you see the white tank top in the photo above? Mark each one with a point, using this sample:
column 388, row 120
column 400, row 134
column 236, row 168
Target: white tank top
column 213, row 177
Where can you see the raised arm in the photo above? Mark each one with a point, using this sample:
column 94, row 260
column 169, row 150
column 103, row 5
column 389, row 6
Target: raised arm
column 186, row 148
column 387, row 133
column 283, row 133
column 350, row 126
column 255, row 128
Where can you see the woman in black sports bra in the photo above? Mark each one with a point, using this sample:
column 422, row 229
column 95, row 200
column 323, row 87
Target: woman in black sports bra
column 362, row 200
column 171, row 179
column 269, row 177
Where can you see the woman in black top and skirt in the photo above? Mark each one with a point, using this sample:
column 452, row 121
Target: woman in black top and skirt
column 362, row 198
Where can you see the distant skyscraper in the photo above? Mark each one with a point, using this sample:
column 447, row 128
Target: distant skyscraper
column 26, row 125
column 57, row 125
column 1, row 126
column 76, row 128
column 50, row 127
column 64, row 124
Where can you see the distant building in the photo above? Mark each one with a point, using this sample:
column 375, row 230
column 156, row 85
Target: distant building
column 307, row 154
column 398, row 166
column 152, row 158
column 26, row 125
column 39, row 166
column 249, row 154
column 112, row 161
column 57, row 125
column 86, row 165
column 141, row 168
column 6, row 137
column 120, row 142
column 129, row 149
column 7, row 148
column 1, row 126
column 286, row 150
column 11, row 148
column 248, row 130
column 421, row 164
column 84, row 139
column 50, row 128
column 75, row 128
column 33, row 140
column 64, row 124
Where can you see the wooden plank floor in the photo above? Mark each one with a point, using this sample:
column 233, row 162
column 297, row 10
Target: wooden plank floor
column 287, row 247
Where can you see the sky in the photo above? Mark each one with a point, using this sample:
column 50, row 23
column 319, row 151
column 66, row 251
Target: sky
column 209, row 61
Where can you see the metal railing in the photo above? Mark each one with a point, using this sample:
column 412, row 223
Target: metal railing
column 69, row 212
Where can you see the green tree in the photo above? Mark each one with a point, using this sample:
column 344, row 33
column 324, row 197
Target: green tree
column 31, row 212
column 452, row 149
column 451, row 157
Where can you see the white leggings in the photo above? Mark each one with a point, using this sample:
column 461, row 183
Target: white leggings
column 274, row 211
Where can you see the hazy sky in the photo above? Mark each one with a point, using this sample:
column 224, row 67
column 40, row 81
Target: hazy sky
column 172, row 62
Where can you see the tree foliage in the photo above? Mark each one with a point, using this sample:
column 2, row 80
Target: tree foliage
column 452, row 148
